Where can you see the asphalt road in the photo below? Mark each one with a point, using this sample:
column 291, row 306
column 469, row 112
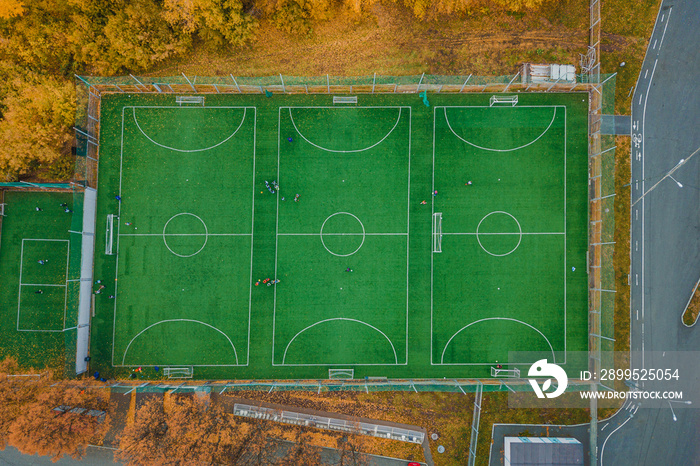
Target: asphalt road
column 665, row 244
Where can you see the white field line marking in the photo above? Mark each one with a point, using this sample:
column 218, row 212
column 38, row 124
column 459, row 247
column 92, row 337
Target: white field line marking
column 245, row 110
column 116, row 260
column 408, row 218
column 277, row 236
column 39, row 284
column 343, row 234
column 602, row 450
column 344, row 151
column 65, row 284
column 396, row 358
column 496, row 318
column 514, row 233
column 179, row 320
column 160, row 235
column 554, row 115
column 19, row 292
column 252, row 229
column 566, row 265
column 432, row 260
column 65, row 296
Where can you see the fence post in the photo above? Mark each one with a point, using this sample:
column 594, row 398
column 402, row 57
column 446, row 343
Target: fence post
column 328, row 83
column 511, row 81
column 465, row 83
column 189, row 82
column 234, row 82
column 374, row 82
column 284, row 89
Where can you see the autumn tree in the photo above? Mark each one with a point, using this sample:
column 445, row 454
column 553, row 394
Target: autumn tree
column 139, row 37
column 185, row 430
column 350, row 451
column 301, row 451
column 216, row 22
column 39, row 429
column 11, row 8
column 35, row 128
column 18, row 389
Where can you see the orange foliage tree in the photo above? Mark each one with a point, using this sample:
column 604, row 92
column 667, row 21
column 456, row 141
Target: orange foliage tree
column 17, row 391
column 38, row 429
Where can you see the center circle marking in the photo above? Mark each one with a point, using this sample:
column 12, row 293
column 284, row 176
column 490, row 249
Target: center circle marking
column 361, row 225
column 206, row 235
column 520, row 233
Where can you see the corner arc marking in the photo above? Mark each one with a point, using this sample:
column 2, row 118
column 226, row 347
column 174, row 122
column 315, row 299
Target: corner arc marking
column 179, row 320
column 396, row 358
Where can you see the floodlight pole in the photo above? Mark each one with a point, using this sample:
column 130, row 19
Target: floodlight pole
column 667, row 175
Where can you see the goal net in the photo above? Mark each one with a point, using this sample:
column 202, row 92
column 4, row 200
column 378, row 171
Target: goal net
column 509, row 373
column 178, row 372
column 437, row 232
column 511, row 100
column 109, row 237
column 341, row 373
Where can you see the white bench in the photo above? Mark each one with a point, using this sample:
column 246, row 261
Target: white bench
column 345, row 100
column 189, row 99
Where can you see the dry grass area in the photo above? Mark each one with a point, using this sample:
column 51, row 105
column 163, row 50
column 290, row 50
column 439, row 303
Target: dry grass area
column 447, row 414
column 690, row 316
column 388, row 39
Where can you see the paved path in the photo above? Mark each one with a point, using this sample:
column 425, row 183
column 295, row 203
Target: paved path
column 665, row 244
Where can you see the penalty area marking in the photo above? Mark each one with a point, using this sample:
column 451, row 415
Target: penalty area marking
column 396, row 358
column 363, row 234
column 178, row 320
column 499, row 150
column 520, row 233
column 206, row 235
column 442, row 359
column 344, row 151
column 133, row 109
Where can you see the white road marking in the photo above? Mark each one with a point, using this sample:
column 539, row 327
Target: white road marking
column 654, row 46
column 640, row 99
column 602, row 450
column 637, row 314
column 646, row 73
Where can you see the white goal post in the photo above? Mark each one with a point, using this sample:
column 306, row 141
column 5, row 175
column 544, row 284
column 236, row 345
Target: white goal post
column 509, row 373
column 184, row 372
column 511, row 100
column 189, row 99
column 109, row 237
column 437, row 232
column 341, row 374
column 2, row 210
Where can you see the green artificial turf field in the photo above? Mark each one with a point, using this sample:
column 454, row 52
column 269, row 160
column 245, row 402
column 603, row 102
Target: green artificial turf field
column 34, row 296
column 366, row 193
